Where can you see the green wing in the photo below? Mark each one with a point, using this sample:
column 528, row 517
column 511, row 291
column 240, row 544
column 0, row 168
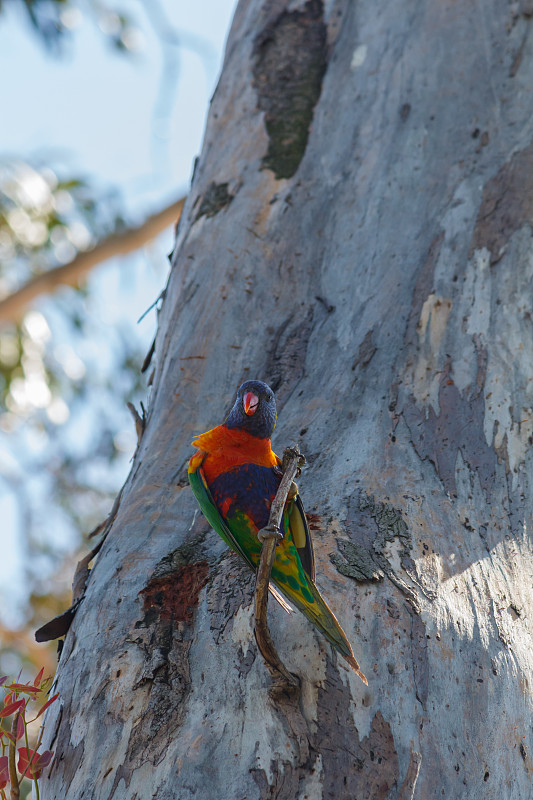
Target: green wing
column 294, row 567
column 211, row 513
column 302, row 537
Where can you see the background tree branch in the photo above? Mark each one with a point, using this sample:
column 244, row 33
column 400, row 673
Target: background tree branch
column 118, row 244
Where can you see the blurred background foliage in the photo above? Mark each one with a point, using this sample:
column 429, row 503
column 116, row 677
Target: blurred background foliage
column 53, row 20
column 70, row 362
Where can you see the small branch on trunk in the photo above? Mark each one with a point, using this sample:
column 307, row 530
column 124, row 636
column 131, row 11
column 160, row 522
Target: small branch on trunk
column 292, row 461
column 140, row 422
column 59, row 626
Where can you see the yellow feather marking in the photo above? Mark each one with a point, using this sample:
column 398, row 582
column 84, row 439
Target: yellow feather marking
column 297, row 527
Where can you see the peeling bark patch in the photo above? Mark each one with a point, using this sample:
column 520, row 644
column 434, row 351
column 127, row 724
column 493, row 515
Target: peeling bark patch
column 286, row 358
column 289, row 64
column 284, row 785
column 349, row 767
column 246, row 661
column 231, row 588
column 164, row 637
column 214, row 200
column 174, row 597
column 187, row 553
column 370, row 525
column 506, row 205
column 167, row 674
column 391, row 525
column 458, row 426
column 352, row 768
column 355, row 562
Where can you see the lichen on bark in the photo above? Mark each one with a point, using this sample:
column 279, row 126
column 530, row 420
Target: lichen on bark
column 289, row 64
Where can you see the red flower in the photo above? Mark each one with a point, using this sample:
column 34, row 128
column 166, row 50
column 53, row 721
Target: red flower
column 38, row 761
column 4, row 772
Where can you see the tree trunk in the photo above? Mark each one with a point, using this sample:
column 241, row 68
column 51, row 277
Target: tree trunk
column 358, row 235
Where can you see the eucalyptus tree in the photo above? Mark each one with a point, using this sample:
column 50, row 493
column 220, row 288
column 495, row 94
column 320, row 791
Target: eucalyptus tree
column 358, row 235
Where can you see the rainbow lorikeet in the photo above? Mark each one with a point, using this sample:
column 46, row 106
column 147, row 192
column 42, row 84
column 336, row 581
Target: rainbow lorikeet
column 235, row 476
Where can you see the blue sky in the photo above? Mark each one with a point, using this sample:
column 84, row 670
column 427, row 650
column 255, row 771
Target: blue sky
column 100, row 106
column 115, row 120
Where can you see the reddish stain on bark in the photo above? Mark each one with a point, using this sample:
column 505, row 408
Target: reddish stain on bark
column 314, row 521
column 175, row 595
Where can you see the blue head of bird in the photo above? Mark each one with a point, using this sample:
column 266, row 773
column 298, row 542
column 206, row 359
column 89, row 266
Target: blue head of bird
column 254, row 410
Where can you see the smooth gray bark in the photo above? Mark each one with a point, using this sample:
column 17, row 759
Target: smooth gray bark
column 358, row 234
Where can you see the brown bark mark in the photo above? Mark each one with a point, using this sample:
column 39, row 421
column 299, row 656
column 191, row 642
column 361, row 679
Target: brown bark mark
column 290, row 59
column 458, row 426
column 215, row 198
column 423, row 288
column 284, row 782
column 419, row 655
column 506, row 205
column 175, row 596
column 352, row 767
column 366, row 351
column 286, row 359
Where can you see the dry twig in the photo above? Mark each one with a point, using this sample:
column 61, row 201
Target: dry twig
column 140, row 422
column 292, row 461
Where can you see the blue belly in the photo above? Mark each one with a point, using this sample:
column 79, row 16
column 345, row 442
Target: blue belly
column 249, row 488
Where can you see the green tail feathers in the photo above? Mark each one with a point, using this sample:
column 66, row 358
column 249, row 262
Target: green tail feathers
column 322, row 617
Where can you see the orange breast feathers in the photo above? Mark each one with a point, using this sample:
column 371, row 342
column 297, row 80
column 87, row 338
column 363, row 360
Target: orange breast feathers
column 228, row 448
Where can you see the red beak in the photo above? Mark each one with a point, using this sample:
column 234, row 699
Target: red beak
column 250, row 401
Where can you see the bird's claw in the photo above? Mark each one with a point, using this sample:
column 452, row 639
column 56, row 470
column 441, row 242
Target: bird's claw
column 269, row 533
column 293, row 491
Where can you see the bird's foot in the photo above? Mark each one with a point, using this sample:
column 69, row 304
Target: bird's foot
column 293, row 491
column 269, row 532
